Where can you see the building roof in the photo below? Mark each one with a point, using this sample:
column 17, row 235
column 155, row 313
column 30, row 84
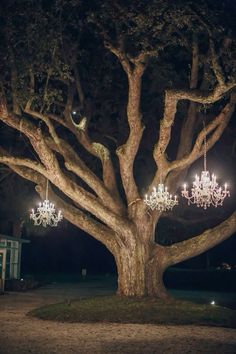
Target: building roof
column 11, row 238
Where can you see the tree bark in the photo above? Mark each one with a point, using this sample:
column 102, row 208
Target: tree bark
column 140, row 268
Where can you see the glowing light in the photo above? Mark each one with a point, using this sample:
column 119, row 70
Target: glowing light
column 206, row 191
column 160, row 199
column 46, row 214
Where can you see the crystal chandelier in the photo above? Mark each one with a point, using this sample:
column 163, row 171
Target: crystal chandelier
column 160, row 199
column 206, row 191
column 46, row 214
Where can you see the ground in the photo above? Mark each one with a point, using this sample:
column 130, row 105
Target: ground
column 20, row 334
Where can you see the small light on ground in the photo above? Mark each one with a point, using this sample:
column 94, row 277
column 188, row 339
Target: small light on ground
column 74, row 112
column 213, row 302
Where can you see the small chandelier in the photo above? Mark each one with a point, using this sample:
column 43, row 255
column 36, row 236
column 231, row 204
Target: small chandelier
column 46, row 214
column 206, row 191
column 160, row 199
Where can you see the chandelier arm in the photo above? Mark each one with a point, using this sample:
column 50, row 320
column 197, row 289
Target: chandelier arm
column 160, row 199
column 206, row 191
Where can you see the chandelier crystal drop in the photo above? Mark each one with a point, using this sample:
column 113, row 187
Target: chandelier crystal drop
column 160, row 199
column 46, row 214
column 206, row 191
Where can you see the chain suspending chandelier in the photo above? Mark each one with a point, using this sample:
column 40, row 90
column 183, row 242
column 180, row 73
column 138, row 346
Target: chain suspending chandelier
column 46, row 214
column 160, row 199
column 206, row 191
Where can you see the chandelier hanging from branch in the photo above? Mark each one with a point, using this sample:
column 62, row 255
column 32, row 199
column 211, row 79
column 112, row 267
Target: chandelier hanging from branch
column 206, row 191
column 46, row 214
column 160, row 199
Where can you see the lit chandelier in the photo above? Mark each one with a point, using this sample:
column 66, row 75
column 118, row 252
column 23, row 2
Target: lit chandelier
column 206, row 191
column 160, row 199
column 46, row 214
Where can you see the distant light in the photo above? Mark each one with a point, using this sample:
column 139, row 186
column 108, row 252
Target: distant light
column 213, row 302
column 74, row 112
column 22, row 279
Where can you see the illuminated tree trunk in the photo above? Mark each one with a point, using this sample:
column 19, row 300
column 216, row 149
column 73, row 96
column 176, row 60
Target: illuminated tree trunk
column 140, row 268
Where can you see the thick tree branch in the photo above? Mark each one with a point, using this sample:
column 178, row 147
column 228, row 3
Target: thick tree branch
column 56, row 176
column 16, row 106
column 216, row 65
column 134, row 69
column 82, row 220
column 72, row 214
column 49, row 124
column 217, row 126
column 96, row 149
column 5, row 158
column 181, row 251
column 187, row 130
column 121, row 55
column 75, row 193
column 171, row 99
column 102, row 153
column 128, row 151
column 203, row 97
column 74, row 164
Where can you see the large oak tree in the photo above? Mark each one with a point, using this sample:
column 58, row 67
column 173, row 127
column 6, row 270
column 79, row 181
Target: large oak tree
column 93, row 58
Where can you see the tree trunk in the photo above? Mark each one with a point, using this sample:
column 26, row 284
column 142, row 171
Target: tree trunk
column 140, row 271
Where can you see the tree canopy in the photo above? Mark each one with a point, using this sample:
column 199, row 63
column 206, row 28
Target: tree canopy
column 108, row 98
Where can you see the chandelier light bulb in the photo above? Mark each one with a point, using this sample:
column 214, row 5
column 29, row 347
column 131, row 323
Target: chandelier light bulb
column 205, row 190
column 46, row 214
column 160, row 199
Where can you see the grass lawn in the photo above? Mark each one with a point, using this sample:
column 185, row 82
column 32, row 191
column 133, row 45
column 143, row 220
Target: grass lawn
column 127, row 310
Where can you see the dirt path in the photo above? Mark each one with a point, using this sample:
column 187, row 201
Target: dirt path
column 20, row 334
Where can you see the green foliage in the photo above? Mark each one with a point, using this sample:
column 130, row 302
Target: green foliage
column 51, row 39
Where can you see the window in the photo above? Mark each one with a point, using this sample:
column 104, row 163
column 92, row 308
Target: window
column 8, row 264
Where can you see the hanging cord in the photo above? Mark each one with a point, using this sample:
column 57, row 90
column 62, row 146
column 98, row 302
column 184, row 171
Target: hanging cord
column 205, row 145
column 47, row 190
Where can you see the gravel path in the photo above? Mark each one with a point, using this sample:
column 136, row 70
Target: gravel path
column 20, row 334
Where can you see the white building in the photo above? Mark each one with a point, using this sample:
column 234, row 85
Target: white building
column 10, row 258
